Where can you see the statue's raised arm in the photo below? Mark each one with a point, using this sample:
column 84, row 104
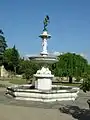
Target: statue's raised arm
column 1, row 32
column 45, row 22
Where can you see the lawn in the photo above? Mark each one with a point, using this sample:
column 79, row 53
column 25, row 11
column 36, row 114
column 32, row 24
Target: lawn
column 72, row 84
column 67, row 84
column 24, row 81
column 18, row 81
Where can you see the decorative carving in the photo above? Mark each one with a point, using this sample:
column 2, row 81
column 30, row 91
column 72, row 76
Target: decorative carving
column 44, row 70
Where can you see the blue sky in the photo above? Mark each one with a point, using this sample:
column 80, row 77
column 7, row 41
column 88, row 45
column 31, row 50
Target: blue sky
column 22, row 22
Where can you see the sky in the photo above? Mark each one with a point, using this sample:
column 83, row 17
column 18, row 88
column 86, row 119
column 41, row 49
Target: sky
column 22, row 23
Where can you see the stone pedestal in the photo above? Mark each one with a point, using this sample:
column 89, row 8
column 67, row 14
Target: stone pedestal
column 44, row 82
column 43, row 79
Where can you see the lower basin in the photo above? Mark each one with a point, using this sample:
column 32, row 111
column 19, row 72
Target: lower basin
column 28, row 92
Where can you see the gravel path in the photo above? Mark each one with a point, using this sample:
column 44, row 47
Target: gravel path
column 11, row 109
column 29, row 113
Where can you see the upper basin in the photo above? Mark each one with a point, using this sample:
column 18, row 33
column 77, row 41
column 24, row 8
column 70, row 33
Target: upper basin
column 44, row 59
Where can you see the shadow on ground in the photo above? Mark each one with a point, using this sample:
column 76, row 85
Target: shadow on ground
column 76, row 112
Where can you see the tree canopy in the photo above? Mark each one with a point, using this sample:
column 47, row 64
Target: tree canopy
column 70, row 64
column 11, row 59
column 27, row 68
column 3, row 46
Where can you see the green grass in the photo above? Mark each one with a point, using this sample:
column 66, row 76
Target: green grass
column 17, row 81
column 76, row 85
column 2, row 86
column 68, row 84
column 23, row 81
column 5, row 79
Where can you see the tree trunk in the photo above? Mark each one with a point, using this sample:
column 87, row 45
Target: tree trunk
column 70, row 79
column 15, row 70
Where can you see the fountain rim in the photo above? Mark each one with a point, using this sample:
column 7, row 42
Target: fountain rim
column 44, row 59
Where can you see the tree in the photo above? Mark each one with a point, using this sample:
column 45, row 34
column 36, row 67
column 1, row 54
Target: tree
column 7, row 59
column 88, row 69
column 27, row 68
column 70, row 65
column 3, row 46
column 15, row 58
column 29, row 73
column 85, row 85
column 11, row 59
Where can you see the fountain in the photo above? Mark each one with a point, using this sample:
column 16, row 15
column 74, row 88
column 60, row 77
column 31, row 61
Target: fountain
column 42, row 88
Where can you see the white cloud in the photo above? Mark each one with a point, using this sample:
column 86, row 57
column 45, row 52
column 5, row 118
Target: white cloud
column 56, row 53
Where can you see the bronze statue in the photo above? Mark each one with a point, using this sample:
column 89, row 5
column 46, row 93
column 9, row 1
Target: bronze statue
column 1, row 32
column 45, row 22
